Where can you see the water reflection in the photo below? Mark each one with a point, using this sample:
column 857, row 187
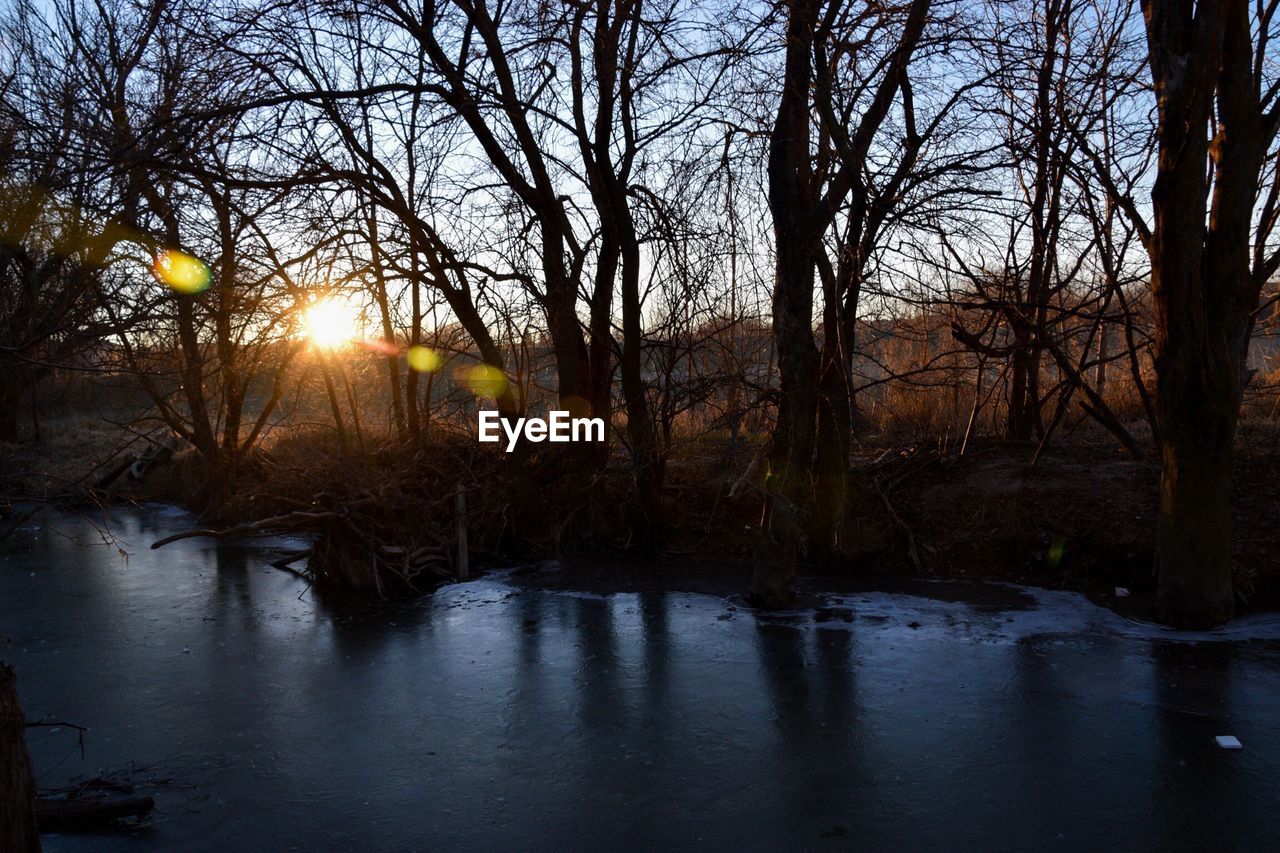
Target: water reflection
column 816, row 715
column 231, row 595
column 491, row 714
column 657, row 645
column 1193, row 688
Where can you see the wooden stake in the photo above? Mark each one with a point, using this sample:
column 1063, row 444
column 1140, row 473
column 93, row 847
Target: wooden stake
column 460, row 521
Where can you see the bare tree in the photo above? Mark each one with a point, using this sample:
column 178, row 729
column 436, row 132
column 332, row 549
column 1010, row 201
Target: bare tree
column 804, row 207
column 1216, row 131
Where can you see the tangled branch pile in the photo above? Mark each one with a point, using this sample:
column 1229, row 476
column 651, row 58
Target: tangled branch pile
column 387, row 525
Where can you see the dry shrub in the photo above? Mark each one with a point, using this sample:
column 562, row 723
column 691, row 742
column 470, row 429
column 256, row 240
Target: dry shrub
column 903, row 409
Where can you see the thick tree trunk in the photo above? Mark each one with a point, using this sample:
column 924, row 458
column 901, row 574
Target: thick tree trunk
column 1193, row 533
column 1203, row 289
column 788, row 487
column 572, row 361
column 9, row 398
column 788, row 484
column 18, row 831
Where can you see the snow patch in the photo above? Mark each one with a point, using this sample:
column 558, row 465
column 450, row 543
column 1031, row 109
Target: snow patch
column 1054, row 613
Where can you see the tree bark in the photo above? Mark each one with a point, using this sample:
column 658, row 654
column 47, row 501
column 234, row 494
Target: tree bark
column 18, row 831
column 807, row 484
column 392, row 354
column 835, row 424
column 640, row 427
column 1203, row 289
column 788, row 488
column 612, row 53
column 10, row 397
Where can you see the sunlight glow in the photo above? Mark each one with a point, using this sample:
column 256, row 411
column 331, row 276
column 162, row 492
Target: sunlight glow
column 329, row 323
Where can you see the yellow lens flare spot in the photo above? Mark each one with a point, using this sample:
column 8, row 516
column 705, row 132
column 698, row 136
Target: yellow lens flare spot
column 329, row 324
column 424, row 359
column 182, row 272
column 484, row 380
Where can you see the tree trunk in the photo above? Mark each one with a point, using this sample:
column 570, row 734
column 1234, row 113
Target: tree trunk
column 788, row 488
column 1203, row 289
column 415, row 339
column 1018, row 420
column 9, row 398
column 640, row 426
column 193, row 380
column 1193, row 532
column 392, row 354
column 573, row 369
column 835, row 427
column 18, row 831
column 601, row 346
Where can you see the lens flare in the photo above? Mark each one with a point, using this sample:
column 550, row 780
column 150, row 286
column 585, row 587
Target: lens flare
column 329, row 324
column 182, row 272
column 484, row 380
column 381, row 347
column 423, row 359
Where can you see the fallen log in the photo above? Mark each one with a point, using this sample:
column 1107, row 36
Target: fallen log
column 405, row 533
column 54, row 815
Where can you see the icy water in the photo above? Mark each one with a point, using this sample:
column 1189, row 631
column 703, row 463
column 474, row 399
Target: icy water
column 493, row 715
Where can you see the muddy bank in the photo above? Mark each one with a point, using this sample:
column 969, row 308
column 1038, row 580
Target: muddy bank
column 1082, row 518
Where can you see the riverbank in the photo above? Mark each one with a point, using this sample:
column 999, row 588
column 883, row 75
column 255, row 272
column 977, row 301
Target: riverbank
column 1081, row 518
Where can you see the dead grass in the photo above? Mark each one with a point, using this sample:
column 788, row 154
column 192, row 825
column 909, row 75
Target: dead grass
column 71, row 453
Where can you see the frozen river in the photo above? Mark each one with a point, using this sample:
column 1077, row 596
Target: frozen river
column 496, row 714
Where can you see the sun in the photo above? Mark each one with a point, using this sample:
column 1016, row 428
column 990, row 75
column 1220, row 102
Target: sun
column 329, row 323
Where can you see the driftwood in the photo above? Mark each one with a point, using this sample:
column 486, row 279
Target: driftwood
column 361, row 541
column 156, row 454
column 88, row 812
